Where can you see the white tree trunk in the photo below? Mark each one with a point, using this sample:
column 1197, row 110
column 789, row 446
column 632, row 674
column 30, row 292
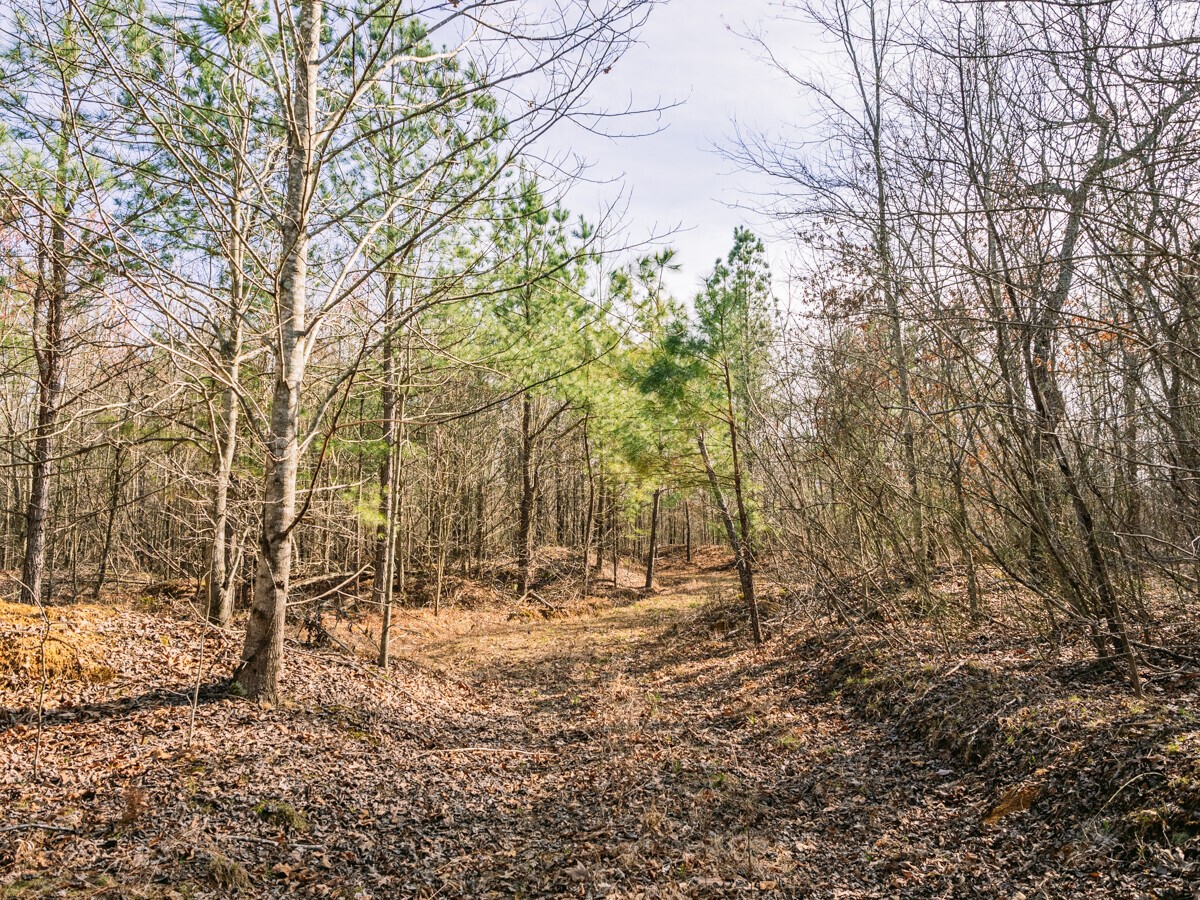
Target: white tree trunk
column 262, row 657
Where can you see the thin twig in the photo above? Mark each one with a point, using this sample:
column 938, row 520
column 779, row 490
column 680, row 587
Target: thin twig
column 43, row 826
column 485, row 750
column 41, row 709
column 271, row 842
column 196, row 687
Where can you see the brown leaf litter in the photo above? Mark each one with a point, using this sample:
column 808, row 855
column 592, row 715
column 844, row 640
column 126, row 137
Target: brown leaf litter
column 628, row 751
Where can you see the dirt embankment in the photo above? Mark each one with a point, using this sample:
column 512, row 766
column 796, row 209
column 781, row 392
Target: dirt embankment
column 1061, row 747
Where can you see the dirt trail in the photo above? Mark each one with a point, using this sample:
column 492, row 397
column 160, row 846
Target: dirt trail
column 640, row 751
column 653, row 755
column 636, row 757
column 669, row 760
column 516, row 648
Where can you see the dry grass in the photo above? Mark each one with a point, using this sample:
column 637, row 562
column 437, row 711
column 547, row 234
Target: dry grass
column 71, row 650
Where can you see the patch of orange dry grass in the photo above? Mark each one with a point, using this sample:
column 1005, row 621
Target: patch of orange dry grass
column 63, row 641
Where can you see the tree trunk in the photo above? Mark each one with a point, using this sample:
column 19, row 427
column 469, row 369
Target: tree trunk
column 744, row 564
column 1050, row 405
column 616, row 537
column 653, row 552
column 386, row 578
column 220, row 576
column 687, row 531
column 974, row 601
column 114, row 501
column 50, row 302
column 480, row 529
column 598, row 526
column 385, row 539
column 589, row 512
column 220, row 593
column 262, row 656
column 528, row 498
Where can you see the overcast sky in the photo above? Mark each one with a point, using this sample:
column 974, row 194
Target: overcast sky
column 691, row 54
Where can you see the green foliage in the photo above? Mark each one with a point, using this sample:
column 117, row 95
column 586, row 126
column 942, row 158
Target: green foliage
column 711, row 367
column 543, row 326
column 56, row 166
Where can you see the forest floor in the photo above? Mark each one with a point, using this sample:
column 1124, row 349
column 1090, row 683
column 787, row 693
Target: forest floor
column 638, row 748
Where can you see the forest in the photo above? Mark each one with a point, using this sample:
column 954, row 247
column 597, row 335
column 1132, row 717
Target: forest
column 376, row 523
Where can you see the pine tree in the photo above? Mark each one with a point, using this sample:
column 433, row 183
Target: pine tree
column 711, row 372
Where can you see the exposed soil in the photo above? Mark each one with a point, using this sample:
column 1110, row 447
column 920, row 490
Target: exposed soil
column 639, row 749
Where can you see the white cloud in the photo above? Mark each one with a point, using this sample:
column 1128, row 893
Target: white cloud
column 692, row 52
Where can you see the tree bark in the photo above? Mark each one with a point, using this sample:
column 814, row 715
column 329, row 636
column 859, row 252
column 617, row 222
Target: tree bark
column 385, row 541
column 220, row 574
column 50, row 302
column 653, row 551
column 744, row 564
column 687, row 531
column 114, row 502
column 262, row 656
column 590, row 512
column 528, row 498
column 616, row 537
